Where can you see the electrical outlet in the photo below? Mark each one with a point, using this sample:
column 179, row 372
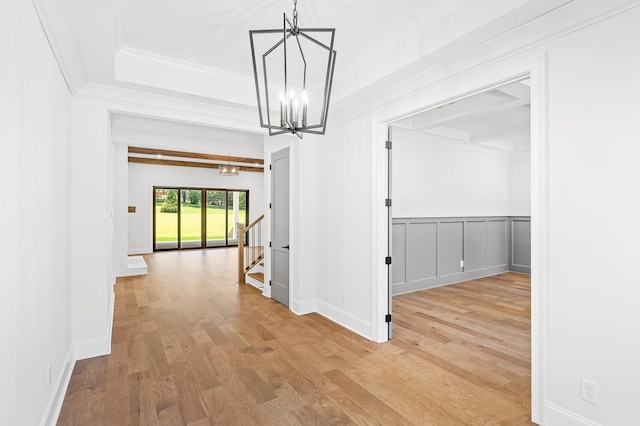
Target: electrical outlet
column 589, row 391
column 49, row 375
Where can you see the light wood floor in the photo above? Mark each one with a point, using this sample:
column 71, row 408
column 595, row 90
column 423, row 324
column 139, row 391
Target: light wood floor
column 192, row 347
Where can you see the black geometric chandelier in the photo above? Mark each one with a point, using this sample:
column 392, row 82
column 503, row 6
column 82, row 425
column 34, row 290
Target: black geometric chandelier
column 293, row 76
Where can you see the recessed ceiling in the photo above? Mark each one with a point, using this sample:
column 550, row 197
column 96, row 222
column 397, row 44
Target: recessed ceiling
column 199, row 50
column 499, row 119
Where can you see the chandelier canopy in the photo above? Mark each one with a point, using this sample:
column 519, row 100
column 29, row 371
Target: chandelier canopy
column 293, row 76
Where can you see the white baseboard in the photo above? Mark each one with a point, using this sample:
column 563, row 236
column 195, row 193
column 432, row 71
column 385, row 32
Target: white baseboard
column 52, row 412
column 135, row 251
column 558, row 416
column 303, row 307
column 345, row 319
column 91, row 348
column 135, row 266
column 98, row 346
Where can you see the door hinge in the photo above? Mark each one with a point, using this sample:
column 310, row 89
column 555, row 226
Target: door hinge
column 269, row 166
column 269, row 205
column 388, row 144
column 269, row 283
column 387, row 260
column 387, row 318
column 269, row 243
column 387, row 202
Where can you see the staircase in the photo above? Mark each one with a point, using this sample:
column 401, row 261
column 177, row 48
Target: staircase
column 256, row 276
column 251, row 254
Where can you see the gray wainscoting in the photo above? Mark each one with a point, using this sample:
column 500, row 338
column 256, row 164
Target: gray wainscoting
column 520, row 253
column 430, row 252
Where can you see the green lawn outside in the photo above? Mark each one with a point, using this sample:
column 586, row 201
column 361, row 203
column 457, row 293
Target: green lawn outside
column 167, row 223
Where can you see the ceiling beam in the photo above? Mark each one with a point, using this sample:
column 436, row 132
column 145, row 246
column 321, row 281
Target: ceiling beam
column 200, row 156
column 498, row 100
column 161, row 162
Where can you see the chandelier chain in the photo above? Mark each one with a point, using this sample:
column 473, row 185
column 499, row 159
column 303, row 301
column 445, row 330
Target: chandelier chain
column 295, row 14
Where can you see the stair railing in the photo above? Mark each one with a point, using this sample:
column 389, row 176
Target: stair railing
column 250, row 247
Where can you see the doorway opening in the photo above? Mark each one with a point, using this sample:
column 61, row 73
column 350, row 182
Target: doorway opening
column 466, row 236
column 196, row 218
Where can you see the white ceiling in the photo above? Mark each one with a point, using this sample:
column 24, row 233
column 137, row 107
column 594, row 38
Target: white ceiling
column 200, row 49
column 499, row 119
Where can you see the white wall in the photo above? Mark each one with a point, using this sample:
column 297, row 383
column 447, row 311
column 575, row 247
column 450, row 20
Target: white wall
column 520, row 185
column 433, row 178
column 303, row 213
column 590, row 85
column 593, row 218
column 92, row 228
column 589, row 281
column 345, row 214
column 35, row 294
column 142, row 178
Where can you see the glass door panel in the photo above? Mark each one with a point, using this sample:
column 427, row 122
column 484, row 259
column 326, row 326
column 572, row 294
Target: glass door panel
column 166, row 218
column 198, row 217
column 190, row 218
column 216, row 218
column 236, row 213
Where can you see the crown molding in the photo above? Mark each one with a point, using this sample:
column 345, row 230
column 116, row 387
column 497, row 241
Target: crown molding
column 61, row 35
column 152, row 105
column 182, row 130
column 430, row 71
column 149, row 69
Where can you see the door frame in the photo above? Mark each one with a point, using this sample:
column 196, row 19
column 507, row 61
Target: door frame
column 271, row 223
column 463, row 86
column 271, row 146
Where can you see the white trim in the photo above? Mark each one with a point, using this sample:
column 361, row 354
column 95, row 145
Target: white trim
column 344, row 318
column 150, row 69
column 161, row 106
column 52, row 412
column 90, row 348
column 167, row 61
column 303, row 307
column 468, row 83
column 61, row 35
column 98, row 346
column 272, row 146
column 539, row 238
column 138, row 251
column 379, row 274
column 558, row 416
column 132, row 272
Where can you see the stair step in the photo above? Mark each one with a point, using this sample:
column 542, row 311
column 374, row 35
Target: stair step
column 257, row 276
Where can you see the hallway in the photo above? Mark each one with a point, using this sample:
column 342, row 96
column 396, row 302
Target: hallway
column 191, row 346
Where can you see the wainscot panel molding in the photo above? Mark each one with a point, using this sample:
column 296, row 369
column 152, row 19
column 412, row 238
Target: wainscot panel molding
column 431, row 252
column 520, row 237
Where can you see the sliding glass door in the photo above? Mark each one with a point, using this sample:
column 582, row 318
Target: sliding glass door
column 190, row 218
column 216, row 218
column 165, row 218
column 236, row 213
column 197, row 217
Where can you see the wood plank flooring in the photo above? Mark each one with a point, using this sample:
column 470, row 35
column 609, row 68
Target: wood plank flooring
column 192, row 347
